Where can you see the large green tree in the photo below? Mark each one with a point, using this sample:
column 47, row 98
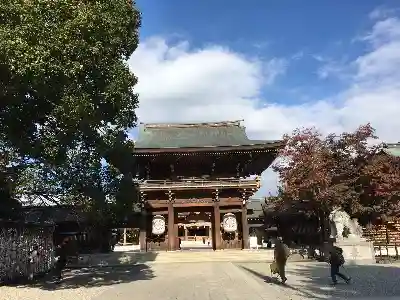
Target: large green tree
column 66, row 92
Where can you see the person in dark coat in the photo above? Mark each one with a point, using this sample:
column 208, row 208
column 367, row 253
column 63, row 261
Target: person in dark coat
column 32, row 260
column 336, row 260
column 281, row 254
column 113, row 241
column 61, row 255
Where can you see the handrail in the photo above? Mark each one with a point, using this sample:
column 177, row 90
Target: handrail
column 198, row 180
column 197, row 183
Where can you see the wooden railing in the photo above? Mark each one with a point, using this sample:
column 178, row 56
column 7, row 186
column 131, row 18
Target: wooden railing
column 198, row 238
column 231, row 244
column 196, row 183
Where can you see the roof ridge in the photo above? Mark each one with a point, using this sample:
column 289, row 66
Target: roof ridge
column 188, row 125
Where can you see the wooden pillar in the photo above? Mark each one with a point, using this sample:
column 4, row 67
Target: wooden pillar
column 171, row 227
column 143, row 232
column 216, row 227
column 245, row 228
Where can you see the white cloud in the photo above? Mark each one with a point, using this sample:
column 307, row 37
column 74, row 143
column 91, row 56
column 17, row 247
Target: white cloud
column 380, row 64
column 382, row 12
column 180, row 84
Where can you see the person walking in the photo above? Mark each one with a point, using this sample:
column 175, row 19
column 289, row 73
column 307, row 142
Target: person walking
column 113, row 241
column 33, row 261
column 61, row 256
column 281, row 254
column 336, row 260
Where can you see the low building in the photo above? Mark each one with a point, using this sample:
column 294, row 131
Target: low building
column 392, row 149
column 255, row 217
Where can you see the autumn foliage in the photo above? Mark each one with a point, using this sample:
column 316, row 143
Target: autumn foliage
column 345, row 170
column 381, row 181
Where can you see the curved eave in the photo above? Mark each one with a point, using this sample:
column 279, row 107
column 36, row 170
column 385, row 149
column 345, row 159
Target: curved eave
column 264, row 147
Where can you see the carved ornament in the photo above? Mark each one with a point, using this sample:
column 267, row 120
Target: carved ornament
column 196, row 200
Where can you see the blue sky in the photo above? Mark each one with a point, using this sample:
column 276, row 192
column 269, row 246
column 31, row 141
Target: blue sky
column 284, row 28
column 276, row 64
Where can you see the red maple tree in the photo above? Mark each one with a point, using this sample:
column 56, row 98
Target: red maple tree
column 324, row 172
column 381, row 186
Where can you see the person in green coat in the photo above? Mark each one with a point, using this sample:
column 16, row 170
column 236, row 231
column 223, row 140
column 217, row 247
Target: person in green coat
column 281, row 254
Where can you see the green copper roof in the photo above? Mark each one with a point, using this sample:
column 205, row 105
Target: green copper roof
column 256, row 205
column 393, row 149
column 156, row 136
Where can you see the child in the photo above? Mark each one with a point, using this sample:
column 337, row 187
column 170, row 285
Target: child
column 336, row 260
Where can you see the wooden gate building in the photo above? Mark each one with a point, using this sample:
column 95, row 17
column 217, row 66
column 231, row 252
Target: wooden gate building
column 189, row 171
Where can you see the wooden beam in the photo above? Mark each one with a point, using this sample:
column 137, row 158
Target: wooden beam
column 193, row 209
column 157, row 205
column 224, row 211
column 230, row 203
column 162, row 212
column 190, row 206
column 160, row 185
column 193, row 205
column 196, row 202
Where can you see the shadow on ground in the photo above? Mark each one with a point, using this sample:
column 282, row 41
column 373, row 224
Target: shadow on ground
column 108, row 270
column 96, row 277
column 313, row 281
column 272, row 279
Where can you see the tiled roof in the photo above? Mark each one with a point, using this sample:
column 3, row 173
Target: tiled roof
column 257, row 208
column 197, row 135
column 52, row 214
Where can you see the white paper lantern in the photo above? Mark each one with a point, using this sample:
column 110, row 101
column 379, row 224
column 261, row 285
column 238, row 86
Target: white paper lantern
column 158, row 225
column 229, row 222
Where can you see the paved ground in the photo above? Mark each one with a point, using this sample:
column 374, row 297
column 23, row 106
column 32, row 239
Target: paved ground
column 213, row 280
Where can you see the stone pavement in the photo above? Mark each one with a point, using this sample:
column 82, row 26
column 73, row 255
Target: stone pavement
column 214, row 280
column 312, row 281
column 132, row 258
